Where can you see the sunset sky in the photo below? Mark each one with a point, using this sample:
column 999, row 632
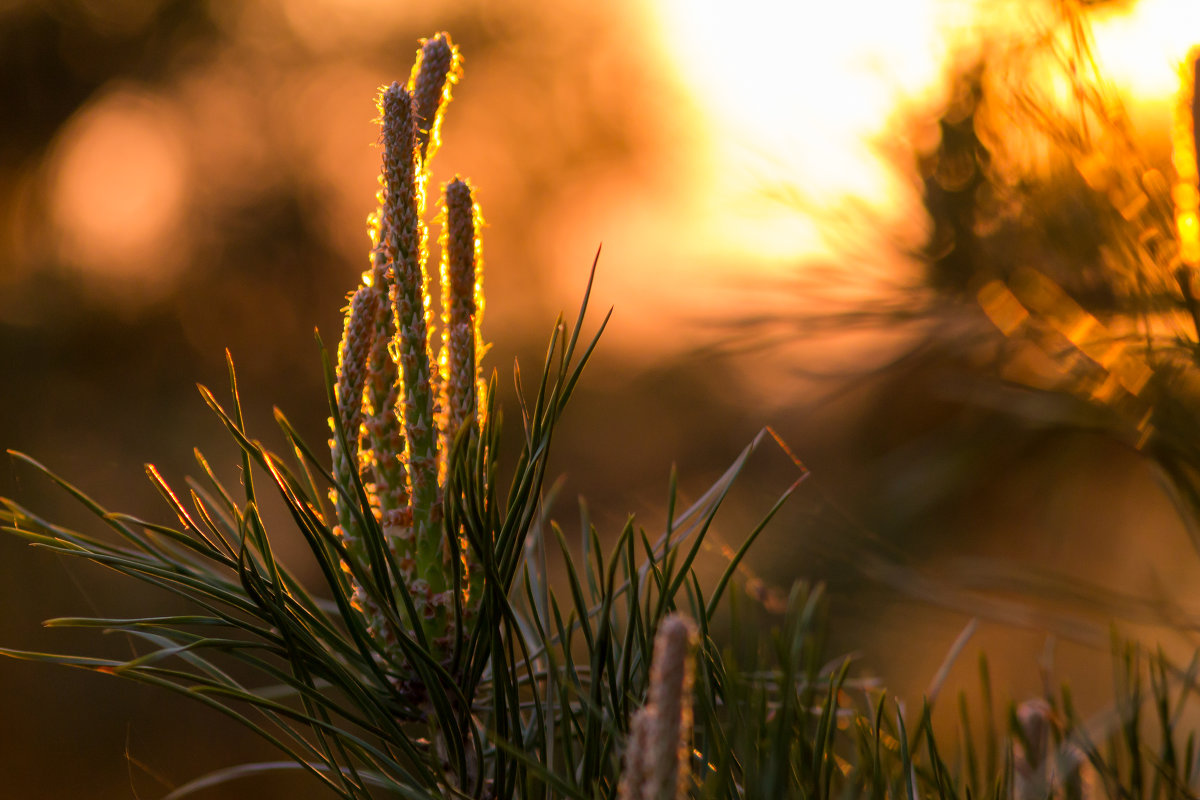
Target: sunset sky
column 781, row 117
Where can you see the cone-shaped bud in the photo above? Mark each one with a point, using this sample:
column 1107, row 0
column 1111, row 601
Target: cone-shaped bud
column 358, row 334
column 437, row 69
column 462, row 298
column 462, row 311
column 671, row 676
column 385, row 432
column 365, row 310
column 405, row 230
column 633, row 778
column 1030, row 765
column 403, row 189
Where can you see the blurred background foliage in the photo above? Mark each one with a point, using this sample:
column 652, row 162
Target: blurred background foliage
column 180, row 177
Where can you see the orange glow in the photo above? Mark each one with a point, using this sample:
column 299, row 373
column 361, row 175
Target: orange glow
column 1002, row 307
column 119, row 178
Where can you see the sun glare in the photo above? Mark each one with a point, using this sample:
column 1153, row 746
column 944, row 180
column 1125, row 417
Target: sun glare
column 1142, row 46
column 796, row 97
column 792, row 95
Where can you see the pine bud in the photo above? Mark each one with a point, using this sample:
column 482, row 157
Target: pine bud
column 437, row 69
